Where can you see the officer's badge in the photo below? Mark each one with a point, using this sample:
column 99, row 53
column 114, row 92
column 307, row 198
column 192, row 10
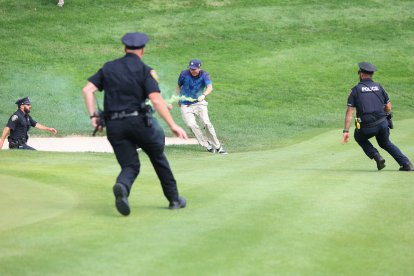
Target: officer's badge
column 154, row 75
column 14, row 118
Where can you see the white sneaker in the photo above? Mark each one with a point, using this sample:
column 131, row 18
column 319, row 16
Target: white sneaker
column 221, row 150
column 211, row 149
column 61, row 3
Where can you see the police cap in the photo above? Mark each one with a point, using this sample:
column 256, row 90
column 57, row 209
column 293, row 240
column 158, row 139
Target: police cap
column 134, row 41
column 367, row 67
column 23, row 101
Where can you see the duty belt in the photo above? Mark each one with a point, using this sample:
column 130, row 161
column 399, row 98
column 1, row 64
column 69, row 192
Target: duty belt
column 121, row 115
column 16, row 143
column 377, row 122
column 20, row 141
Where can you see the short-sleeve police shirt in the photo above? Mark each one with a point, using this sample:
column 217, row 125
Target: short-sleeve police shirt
column 127, row 82
column 369, row 99
column 192, row 87
column 19, row 124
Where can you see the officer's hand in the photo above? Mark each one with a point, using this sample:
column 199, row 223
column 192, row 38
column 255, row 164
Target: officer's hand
column 179, row 132
column 95, row 124
column 52, row 130
column 94, row 121
column 201, row 98
column 345, row 138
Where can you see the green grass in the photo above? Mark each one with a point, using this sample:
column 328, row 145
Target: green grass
column 315, row 207
column 280, row 68
column 288, row 199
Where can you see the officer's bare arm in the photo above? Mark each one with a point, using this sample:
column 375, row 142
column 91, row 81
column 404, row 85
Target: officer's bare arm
column 6, row 131
column 42, row 127
column 161, row 107
column 387, row 107
column 347, row 124
column 348, row 117
column 88, row 91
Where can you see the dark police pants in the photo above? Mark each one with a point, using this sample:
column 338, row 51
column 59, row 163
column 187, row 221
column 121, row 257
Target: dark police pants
column 128, row 133
column 382, row 134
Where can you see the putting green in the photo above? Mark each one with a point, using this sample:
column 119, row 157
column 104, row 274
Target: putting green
column 26, row 202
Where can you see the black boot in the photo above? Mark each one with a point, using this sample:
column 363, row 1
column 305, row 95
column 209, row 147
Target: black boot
column 181, row 203
column 121, row 199
column 380, row 161
column 407, row 167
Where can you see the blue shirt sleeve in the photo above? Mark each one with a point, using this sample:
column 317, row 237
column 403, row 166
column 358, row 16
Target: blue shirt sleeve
column 207, row 79
column 180, row 79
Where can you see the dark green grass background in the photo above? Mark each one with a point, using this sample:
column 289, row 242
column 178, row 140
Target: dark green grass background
column 280, row 68
column 289, row 199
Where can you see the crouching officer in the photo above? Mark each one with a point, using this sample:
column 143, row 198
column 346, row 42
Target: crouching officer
column 372, row 106
column 19, row 124
column 127, row 83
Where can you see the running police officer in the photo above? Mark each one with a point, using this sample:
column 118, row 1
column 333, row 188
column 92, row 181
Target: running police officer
column 128, row 82
column 19, row 124
column 372, row 105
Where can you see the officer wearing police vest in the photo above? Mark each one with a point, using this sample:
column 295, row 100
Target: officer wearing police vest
column 19, row 125
column 372, row 108
column 128, row 83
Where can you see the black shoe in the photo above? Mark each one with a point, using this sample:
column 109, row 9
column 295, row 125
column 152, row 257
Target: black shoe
column 181, row 203
column 121, row 199
column 407, row 167
column 380, row 161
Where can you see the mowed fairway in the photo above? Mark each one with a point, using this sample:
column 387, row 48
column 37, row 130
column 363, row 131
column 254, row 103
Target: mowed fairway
column 283, row 202
column 315, row 207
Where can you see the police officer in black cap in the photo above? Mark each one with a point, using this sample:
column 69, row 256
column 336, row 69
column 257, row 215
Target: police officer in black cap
column 372, row 107
column 19, row 124
column 128, row 83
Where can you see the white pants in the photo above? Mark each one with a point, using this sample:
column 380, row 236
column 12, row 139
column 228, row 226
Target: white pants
column 199, row 111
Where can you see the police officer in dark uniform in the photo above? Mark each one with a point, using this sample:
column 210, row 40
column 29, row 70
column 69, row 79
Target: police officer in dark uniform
column 372, row 108
column 128, row 83
column 19, row 125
